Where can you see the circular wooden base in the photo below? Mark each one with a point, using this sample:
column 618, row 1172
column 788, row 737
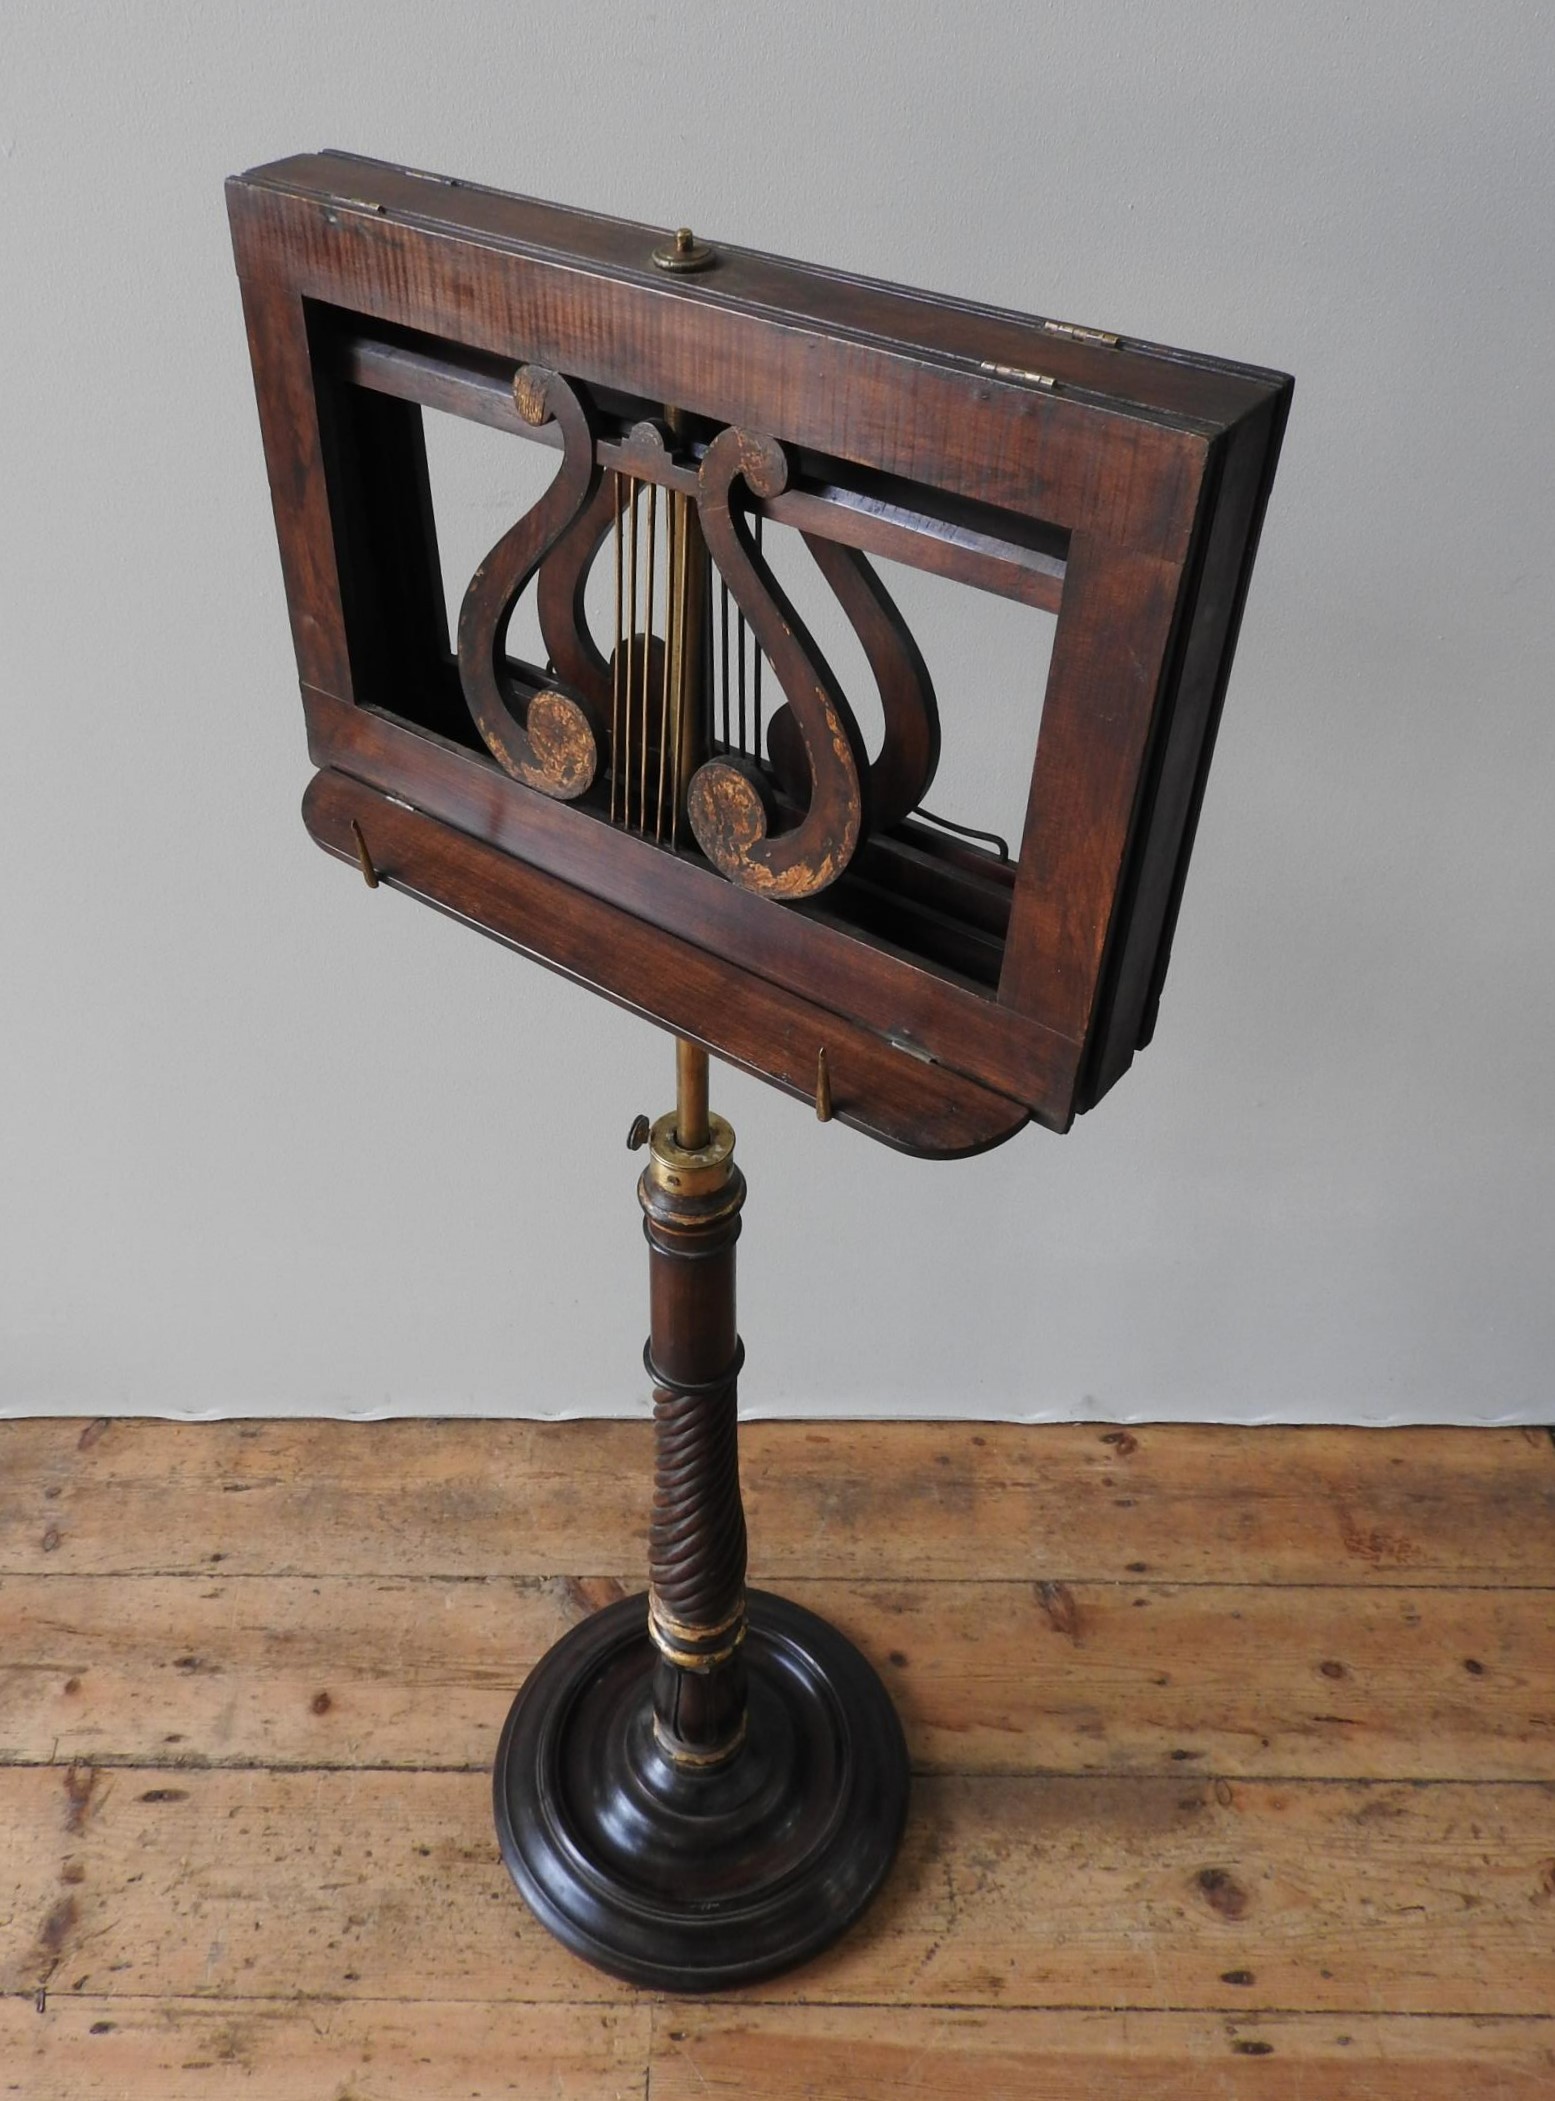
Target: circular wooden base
column 687, row 1881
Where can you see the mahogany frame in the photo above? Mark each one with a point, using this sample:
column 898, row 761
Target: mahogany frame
column 1117, row 483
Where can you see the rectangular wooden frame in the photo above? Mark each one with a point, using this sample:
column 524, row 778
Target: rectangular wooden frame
column 1118, row 482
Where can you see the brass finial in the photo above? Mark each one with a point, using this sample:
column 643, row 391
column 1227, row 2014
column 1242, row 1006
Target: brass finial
column 686, row 252
column 364, row 859
column 822, row 1087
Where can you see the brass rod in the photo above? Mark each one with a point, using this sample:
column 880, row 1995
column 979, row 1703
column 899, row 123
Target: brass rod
column 691, row 687
column 670, row 684
column 756, row 654
column 696, row 729
column 631, row 656
column 688, row 682
column 691, row 1125
column 723, row 677
column 688, row 647
column 616, row 664
column 642, row 766
column 740, row 662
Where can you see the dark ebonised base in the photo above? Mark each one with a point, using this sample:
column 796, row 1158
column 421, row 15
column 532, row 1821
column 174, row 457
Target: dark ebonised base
column 685, row 1880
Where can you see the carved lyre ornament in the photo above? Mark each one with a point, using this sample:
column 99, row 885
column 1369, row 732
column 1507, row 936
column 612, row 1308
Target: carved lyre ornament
column 903, row 772
column 730, row 805
column 555, row 746
column 779, row 811
column 575, row 656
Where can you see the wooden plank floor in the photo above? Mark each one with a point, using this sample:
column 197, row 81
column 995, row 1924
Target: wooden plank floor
column 1235, row 1757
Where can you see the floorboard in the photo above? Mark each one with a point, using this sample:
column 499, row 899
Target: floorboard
column 1234, row 1763
column 1242, row 1680
column 1070, row 1502
column 86, row 2048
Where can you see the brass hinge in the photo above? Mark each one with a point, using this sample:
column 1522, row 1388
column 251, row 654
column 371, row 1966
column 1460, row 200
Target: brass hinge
column 903, row 1040
column 1080, row 335
column 1032, row 379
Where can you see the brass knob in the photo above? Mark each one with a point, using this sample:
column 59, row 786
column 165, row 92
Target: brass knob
column 686, row 252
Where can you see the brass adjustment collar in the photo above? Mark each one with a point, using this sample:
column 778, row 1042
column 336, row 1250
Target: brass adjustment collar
column 676, row 1170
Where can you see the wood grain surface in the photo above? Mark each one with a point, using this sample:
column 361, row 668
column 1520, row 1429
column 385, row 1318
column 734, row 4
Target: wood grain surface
column 1235, row 1757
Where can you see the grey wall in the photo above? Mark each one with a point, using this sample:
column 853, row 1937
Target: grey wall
column 273, row 1144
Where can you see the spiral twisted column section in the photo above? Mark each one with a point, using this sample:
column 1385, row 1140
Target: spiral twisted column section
column 696, row 1542
column 691, row 1198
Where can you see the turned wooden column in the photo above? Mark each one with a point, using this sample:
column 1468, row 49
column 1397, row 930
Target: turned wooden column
column 691, row 1193
column 705, row 1785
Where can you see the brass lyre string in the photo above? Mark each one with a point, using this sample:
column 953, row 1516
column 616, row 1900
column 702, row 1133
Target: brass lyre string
column 630, row 645
column 688, row 637
column 617, row 664
column 670, row 682
column 673, row 704
column 680, row 653
column 642, row 756
column 723, row 677
column 740, row 663
column 756, row 669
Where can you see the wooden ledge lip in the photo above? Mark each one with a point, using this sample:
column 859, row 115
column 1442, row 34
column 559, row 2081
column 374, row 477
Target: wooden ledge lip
column 915, row 1107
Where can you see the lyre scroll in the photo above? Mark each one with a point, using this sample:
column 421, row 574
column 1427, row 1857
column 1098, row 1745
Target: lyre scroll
column 730, row 809
column 555, row 748
column 559, row 601
column 901, row 776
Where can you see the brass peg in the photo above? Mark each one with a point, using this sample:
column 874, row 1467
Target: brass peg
column 687, row 253
column 822, row 1088
column 364, row 859
column 637, row 1136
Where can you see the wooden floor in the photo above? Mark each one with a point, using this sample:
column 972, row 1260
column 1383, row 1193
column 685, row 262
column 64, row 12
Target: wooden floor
column 1235, row 1757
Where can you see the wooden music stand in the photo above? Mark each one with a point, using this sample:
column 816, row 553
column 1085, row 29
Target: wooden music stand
column 706, row 1785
